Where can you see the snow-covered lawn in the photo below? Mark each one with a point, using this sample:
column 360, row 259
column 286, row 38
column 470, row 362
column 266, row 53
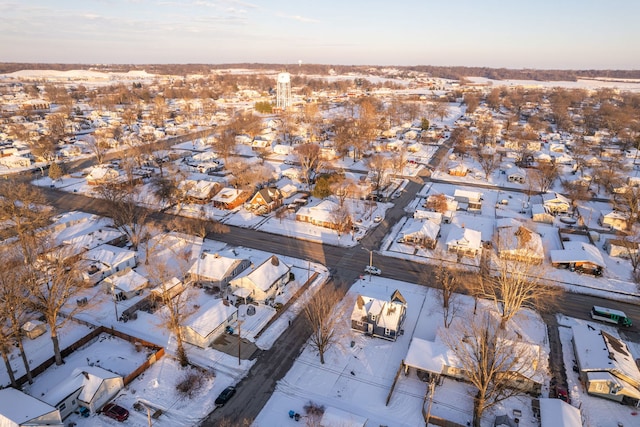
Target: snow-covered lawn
column 359, row 371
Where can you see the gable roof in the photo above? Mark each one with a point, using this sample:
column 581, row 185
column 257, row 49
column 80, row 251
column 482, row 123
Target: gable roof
column 20, row 408
column 422, row 230
column 209, row 316
column 464, row 237
column 555, row 198
column 92, row 378
column 599, row 351
column 268, row 272
column 127, row 280
column 556, row 412
column 388, row 313
column 214, row 266
column 577, row 252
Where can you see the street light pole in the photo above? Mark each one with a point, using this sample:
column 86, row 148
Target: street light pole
column 239, row 340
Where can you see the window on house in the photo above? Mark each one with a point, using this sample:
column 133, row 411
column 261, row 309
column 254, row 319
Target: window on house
column 373, row 317
column 358, row 323
column 62, row 406
column 387, row 331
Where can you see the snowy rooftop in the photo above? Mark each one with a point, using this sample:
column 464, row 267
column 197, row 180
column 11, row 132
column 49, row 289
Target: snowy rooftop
column 555, row 412
column 599, row 351
column 209, row 316
column 20, row 408
column 214, row 265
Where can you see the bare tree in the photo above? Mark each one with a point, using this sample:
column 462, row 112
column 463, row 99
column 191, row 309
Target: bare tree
column 488, row 160
column 322, row 319
column 123, row 207
column 98, row 146
column 575, row 192
column 14, row 298
column 543, row 176
column 449, row 286
column 249, row 176
column 516, row 284
column 24, row 206
column 378, row 166
column 6, row 347
column 43, row 147
column 628, row 201
column 341, row 217
column 492, row 359
column 164, row 261
column 461, row 140
column 310, row 158
column 58, row 283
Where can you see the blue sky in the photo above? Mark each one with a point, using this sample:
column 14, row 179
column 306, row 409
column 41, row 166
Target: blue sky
column 575, row 34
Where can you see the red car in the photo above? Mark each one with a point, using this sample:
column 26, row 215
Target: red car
column 116, row 412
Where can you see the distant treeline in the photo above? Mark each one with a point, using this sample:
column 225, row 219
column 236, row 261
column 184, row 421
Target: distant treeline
column 450, row 72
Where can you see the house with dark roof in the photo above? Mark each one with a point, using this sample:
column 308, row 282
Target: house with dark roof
column 606, row 366
column 378, row 318
column 265, row 200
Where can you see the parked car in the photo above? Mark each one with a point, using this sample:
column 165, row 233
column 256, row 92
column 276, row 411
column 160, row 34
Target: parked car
column 372, row 270
column 378, row 218
column 116, row 412
column 226, row 394
column 560, row 393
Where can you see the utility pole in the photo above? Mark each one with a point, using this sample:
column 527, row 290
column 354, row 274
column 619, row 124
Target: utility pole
column 239, row 340
column 432, row 388
column 370, row 263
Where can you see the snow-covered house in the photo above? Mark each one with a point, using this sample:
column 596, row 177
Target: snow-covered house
column 288, row 190
column 556, row 412
column 458, row 170
column 321, row 214
column 18, row 409
column 263, row 282
column 468, row 200
column 199, row 191
column 606, row 365
column 209, row 322
column 620, row 248
column 125, row 284
column 265, row 200
column 378, row 318
column 33, row 329
column 106, row 260
column 464, row 241
column 423, row 233
column 90, row 386
column 14, row 162
column 578, row 256
column 99, row 386
column 556, row 203
column 614, row 219
column 216, row 270
column 540, row 214
column 334, row 417
column 517, row 175
column 435, row 217
column 435, row 358
column 229, row 198
column 520, row 244
column 102, row 175
column 442, row 202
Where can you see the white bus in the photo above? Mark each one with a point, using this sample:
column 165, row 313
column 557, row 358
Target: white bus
column 610, row 315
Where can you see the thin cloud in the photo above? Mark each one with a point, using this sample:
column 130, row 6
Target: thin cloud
column 298, row 18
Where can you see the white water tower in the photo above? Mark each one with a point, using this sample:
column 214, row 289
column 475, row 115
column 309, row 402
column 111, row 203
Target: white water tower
column 283, row 91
